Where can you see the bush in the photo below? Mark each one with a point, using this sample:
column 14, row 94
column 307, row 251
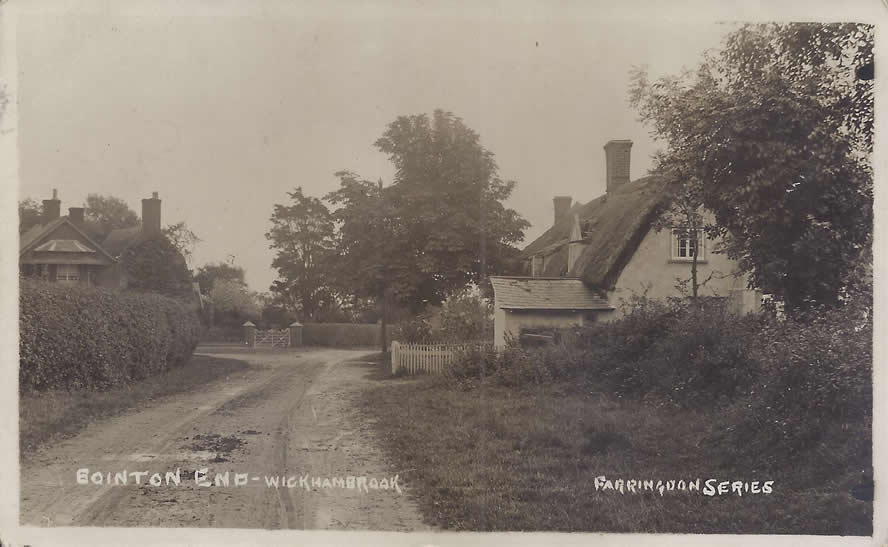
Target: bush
column 815, row 389
column 462, row 317
column 77, row 337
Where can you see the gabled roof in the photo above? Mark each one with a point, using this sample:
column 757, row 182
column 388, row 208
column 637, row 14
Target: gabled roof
column 34, row 232
column 540, row 293
column 37, row 235
column 613, row 224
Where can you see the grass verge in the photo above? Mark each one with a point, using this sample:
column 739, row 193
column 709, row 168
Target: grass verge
column 497, row 458
column 51, row 415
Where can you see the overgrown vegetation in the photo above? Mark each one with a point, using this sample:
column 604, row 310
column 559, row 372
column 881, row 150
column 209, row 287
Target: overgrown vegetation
column 671, row 389
column 464, row 316
column 79, row 337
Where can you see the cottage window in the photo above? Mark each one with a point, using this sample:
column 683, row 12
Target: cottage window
column 67, row 273
column 685, row 244
column 536, row 266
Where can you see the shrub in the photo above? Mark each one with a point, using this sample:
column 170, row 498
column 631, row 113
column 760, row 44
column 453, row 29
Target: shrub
column 815, row 389
column 462, row 317
column 76, row 337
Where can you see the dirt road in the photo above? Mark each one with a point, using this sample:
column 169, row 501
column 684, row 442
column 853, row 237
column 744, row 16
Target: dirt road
column 290, row 417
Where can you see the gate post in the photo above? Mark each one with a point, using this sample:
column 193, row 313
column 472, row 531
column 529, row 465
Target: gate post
column 295, row 333
column 396, row 356
column 250, row 334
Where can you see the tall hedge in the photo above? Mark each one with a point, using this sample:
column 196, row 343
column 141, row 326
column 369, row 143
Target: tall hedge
column 79, row 337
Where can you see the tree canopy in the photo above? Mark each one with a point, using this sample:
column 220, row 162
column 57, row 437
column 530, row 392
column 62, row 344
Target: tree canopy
column 30, row 214
column 156, row 265
column 438, row 227
column 301, row 234
column 106, row 213
column 773, row 133
column 208, row 274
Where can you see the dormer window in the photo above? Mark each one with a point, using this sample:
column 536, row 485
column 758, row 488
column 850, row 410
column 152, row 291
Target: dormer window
column 685, row 243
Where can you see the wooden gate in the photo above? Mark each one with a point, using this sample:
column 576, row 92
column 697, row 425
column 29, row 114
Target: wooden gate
column 272, row 338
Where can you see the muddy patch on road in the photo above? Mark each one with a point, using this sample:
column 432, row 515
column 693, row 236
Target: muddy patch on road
column 214, row 443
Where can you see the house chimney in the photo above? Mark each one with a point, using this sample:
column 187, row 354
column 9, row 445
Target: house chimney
column 52, row 207
column 151, row 215
column 616, row 155
column 562, row 206
column 75, row 215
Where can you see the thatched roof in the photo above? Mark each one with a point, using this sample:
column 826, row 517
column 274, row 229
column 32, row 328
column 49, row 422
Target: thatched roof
column 537, row 293
column 613, row 224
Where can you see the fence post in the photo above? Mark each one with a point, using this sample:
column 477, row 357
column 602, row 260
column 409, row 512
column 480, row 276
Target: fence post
column 396, row 354
column 250, row 334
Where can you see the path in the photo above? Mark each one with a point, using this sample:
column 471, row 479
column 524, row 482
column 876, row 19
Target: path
column 289, row 414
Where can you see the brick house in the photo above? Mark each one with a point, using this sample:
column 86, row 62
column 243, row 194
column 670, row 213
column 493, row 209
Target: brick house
column 597, row 254
column 61, row 249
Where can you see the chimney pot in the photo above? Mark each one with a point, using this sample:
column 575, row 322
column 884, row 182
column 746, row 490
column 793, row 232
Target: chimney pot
column 562, row 207
column 617, row 154
column 153, row 195
column 55, row 193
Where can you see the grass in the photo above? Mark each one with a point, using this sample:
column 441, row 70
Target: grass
column 52, row 415
column 497, row 459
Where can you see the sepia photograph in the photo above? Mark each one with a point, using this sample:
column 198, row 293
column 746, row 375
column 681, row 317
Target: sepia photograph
column 402, row 270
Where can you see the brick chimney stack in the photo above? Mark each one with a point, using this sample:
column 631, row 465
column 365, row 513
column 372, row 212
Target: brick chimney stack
column 617, row 155
column 52, row 207
column 151, row 215
column 562, row 206
column 75, row 215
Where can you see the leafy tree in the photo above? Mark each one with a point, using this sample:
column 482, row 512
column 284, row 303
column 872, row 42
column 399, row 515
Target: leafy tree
column 233, row 303
column 156, row 265
column 30, row 214
column 106, row 213
column 208, row 274
column 440, row 226
column 774, row 133
column 182, row 238
column 302, row 236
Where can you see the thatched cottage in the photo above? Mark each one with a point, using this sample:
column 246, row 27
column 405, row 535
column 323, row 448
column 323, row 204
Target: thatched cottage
column 595, row 255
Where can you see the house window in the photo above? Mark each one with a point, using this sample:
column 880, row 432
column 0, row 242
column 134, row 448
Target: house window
column 685, row 245
column 536, row 266
column 67, row 273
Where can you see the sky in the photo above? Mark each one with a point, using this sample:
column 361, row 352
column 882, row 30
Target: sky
column 223, row 113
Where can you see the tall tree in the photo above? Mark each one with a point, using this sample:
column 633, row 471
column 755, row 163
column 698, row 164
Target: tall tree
column 106, row 213
column 448, row 197
column 208, row 274
column 301, row 235
column 774, row 133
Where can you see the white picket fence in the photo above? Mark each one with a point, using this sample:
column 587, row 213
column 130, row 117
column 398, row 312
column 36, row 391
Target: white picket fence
column 429, row 358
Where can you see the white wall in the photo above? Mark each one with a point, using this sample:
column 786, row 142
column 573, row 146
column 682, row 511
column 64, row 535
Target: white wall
column 651, row 268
